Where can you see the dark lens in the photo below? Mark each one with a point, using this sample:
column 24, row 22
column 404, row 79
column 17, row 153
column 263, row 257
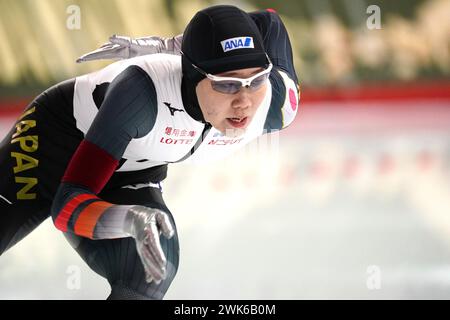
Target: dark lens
column 258, row 82
column 230, row 87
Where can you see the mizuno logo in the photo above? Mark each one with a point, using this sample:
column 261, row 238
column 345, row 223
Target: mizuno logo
column 237, row 43
column 172, row 110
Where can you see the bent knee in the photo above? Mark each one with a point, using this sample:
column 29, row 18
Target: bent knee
column 142, row 290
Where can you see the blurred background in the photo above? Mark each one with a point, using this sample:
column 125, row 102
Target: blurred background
column 351, row 201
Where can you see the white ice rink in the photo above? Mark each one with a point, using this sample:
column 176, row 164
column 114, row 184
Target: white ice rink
column 344, row 204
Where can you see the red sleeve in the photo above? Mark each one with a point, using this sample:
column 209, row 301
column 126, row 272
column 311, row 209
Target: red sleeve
column 90, row 167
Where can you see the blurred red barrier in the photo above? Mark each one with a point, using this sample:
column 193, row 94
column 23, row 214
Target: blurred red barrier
column 377, row 108
column 375, row 92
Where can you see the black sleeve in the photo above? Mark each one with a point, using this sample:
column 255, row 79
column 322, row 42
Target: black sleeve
column 128, row 111
column 276, row 40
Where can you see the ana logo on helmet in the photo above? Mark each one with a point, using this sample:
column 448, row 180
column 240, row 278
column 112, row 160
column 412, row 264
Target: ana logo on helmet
column 237, row 43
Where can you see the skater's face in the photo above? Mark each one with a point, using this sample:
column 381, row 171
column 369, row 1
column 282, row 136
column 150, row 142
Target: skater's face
column 231, row 112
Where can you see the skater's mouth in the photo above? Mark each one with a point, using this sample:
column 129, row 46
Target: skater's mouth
column 238, row 122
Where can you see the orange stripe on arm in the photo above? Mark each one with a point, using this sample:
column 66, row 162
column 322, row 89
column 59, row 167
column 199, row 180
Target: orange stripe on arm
column 87, row 220
column 65, row 214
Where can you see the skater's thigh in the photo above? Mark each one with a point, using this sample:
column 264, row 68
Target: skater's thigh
column 117, row 259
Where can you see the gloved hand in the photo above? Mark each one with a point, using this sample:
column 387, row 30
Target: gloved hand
column 145, row 225
column 123, row 47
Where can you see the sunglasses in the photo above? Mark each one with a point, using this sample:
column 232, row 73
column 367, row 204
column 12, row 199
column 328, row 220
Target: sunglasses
column 230, row 85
